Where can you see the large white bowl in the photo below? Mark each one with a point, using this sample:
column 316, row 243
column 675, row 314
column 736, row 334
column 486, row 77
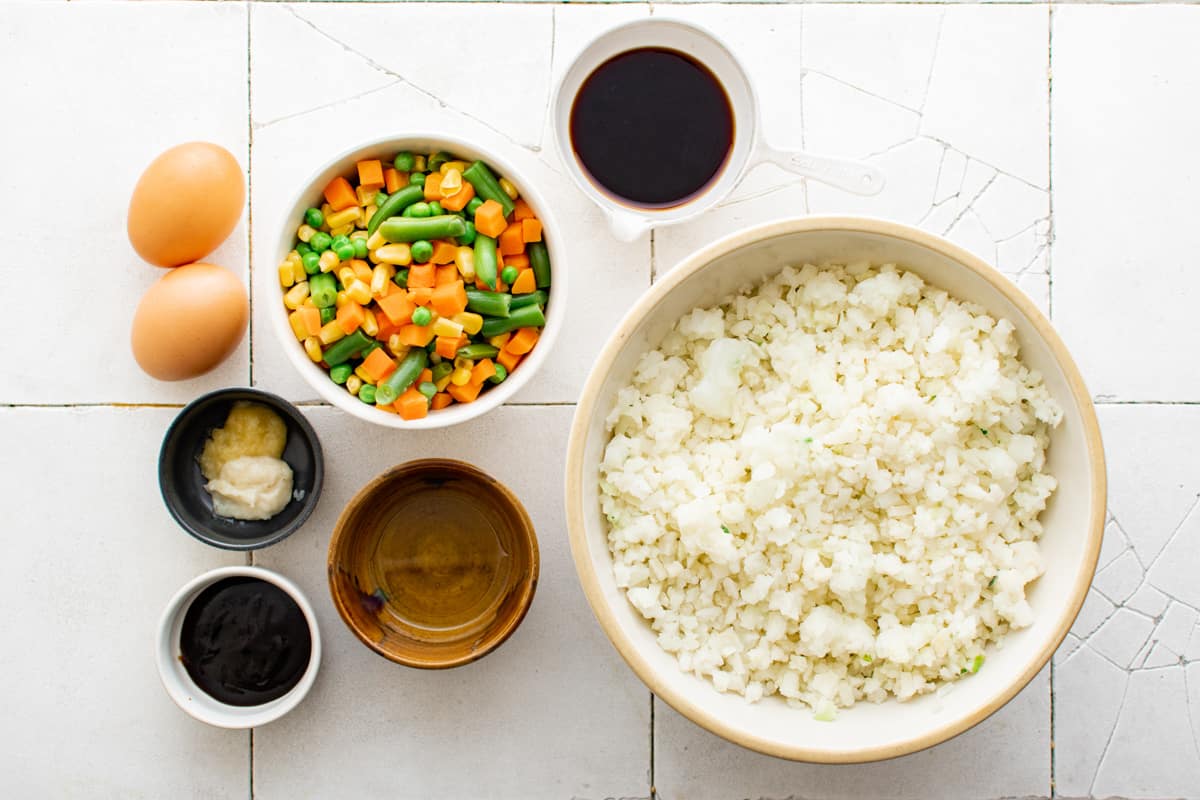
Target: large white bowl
column 1073, row 521
column 385, row 150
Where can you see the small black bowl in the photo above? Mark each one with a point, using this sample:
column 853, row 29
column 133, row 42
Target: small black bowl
column 182, row 483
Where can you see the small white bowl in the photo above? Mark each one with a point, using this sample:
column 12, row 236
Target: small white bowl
column 1073, row 521
column 385, row 150
column 191, row 698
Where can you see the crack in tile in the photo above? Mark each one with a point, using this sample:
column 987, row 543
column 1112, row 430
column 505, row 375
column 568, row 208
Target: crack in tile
column 937, row 42
column 258, row 126
column 806, row 71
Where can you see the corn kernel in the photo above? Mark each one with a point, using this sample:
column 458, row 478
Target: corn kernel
column 451, row 182
column 358, row 235
column 500, row 341
column 370, row 325
column 418, row 164
column 460, row 377
column 359, row 292
column 396, row 347
column 299, row 329
column 399, row 254
column 353, row 384
column 447, row 327
column 326, row 210
column 463, row 363
column 328, row 261
column 362, row 373
column 346, row 216
column 330, row 332
column 308, row 302
column 455, row 165
column 380, row 277
column 471, row 323
column 342, row 299
column 313, row 348
column 286, row 276
column 443, row 383
column 464, row 259
column 376, row 241
column 298, row 273
column 295, row 296
column 364, row 194
column 368, row 212
column 346, row 276
column 292, row 257
column 344, row 230
column 305, row 232
column 507, row 187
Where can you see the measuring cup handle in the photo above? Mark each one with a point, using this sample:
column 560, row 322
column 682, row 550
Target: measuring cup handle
column 852, row 176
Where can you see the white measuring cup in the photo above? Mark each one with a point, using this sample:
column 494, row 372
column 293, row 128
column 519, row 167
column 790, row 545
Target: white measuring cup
column 749, row 148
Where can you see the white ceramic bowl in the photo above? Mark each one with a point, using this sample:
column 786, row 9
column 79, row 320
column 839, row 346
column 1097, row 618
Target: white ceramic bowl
column 183, row 690
column 386, row 149
column 1074, row 519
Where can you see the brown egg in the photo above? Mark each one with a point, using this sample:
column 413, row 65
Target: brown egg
column 185, row 204
column 189, row 321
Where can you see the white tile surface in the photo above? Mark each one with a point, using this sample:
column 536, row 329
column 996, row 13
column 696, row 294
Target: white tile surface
column 553, row 713
column 1125, row 129
column 1005, row 756
column 74, row 140
column 82, row 583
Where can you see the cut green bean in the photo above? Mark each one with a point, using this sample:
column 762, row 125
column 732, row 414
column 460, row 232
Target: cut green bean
column 322, row 287
column 402, row 377
column 538, row 298
column 367, row 393
column 412, row 229
column 428, row 389
column 395, row 205
column 487, row 187
column 346, row 348
column 328, row 314
column 490, row 304
column 501, row 374
column 485, row 260
column 341, row 373
column 441, row 370
column 539, row 259
column 435, row 161
column 527, row 317
column 477, row 350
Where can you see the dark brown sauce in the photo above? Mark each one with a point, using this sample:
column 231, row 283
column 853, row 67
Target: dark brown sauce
column 245, row 642
column 652, row 126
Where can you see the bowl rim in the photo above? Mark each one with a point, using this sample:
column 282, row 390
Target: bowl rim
column 528, row 585
column 586, row 569
column 277, row 403
column 178, row 688
column 459, row 412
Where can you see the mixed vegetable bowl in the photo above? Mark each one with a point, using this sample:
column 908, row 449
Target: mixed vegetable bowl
column 418, row 283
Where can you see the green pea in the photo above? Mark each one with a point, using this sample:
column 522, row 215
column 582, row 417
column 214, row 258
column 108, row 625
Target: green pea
column 416, row 179
column 436, row 160
column 468, row 237
column 360, row 247
column 419, row 210
column 314, row 218
column 428, row 389
column 509, row 274
column 501, row 374
column 338, row 241
column 422, row 316
column 380, row 198
column 404, row 162
column 340, row 373
column 435, row 209
column 422, row 251
column 312, row 262
column 401, row 278
column 344, row 252
column 473, row 206
column 367, row 393
column 302, row 248
column 320, row 242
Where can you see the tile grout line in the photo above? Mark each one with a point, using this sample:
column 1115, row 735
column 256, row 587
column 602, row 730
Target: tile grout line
column 1050, row 308
column 653, row 788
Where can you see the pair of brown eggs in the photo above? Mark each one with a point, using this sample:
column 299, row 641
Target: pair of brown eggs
column 185, row 204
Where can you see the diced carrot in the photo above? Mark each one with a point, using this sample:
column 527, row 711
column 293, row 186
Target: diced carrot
column 508, row 359
column 425, row 376
column 458, row 201
column 415, row 335
column 370, row 174
column 449, row 299
column 484, row 368
column 521, row 210
column 386, row 327
column 433, row 187
column 311, row 317
column 422, row 276
column 443, row 252
column 441, row 399
column 447, row 346
column 391, row 180
column 489, row 218
column 397, row 307
column 522, row 341
column 378, row 365
column 389, row 408
column 511, row 241
column 531, row 230
column 420, row 296
column 362, row 270
column 525, row 282
column 520, row 261
column 412, row 404
column 349, row 317
column 447, row 273
column 465, row 394
column 340, row 194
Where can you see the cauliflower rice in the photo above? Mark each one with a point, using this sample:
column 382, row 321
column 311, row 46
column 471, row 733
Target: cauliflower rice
column 828, row 487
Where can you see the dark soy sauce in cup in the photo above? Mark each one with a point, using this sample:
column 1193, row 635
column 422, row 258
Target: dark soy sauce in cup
column 652, row 127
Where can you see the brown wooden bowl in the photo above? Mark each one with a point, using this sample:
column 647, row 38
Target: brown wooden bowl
column 433, row 564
